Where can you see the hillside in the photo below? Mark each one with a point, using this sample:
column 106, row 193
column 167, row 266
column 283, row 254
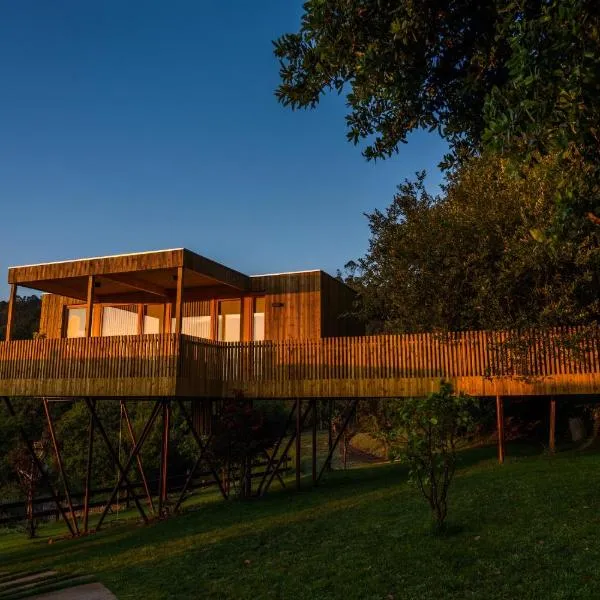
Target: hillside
column 528, row 529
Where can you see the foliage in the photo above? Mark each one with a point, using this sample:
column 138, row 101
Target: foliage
column 405, row 65
column 27, row 317
column 433, row 426
column 482, row 255
column 380, row 418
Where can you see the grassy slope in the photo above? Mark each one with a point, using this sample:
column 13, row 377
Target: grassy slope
column 528, row 529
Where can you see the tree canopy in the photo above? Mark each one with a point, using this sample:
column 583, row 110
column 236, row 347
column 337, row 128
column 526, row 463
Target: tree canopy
column 483, row 254
column 517, row 76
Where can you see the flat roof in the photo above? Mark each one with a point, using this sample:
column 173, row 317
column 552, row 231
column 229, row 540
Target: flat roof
column 152, row 272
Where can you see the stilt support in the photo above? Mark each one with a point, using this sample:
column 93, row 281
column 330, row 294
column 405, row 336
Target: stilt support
column 349, row 413
column 500, row 427
column 552, row 433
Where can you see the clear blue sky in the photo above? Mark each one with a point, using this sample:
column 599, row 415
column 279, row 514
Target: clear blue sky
column 131, row 126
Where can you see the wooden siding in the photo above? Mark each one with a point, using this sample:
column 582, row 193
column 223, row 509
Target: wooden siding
column 337, row 304
column 292, row 305
column 560, row 362
column 52, row 314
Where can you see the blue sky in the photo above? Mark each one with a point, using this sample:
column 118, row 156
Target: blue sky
column 132, row 126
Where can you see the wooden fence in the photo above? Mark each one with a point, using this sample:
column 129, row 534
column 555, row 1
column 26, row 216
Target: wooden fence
column 561, row 360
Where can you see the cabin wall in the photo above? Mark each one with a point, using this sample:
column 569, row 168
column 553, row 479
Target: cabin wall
column 337, row 302
column 51, row 315
column 292, row 305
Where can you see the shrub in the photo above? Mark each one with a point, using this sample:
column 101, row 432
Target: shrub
column 433, row 426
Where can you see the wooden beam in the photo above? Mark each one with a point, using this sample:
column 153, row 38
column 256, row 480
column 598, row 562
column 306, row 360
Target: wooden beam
column 140, row 285
column 500, row 427
column 89, row 306
column 552, row 433
column 179, row 301
column 10, row 318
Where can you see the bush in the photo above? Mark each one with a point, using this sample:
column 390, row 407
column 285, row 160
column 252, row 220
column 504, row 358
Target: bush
column 433, row 426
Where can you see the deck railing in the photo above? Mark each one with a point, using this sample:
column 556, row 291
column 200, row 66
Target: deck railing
column 183, row 365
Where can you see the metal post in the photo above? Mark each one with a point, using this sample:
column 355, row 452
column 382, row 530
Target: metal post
column 61, row 468
column 500, row 427
column 88, row 474
column 314, row 442
column 552, row 434
column 164, row 455
column 298, row 443
column 330, row 433
column 139, row 457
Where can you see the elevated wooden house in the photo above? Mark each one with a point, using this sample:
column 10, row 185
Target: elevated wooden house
column 178, row 291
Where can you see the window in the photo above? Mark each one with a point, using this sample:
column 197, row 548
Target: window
column 119, row 320
column 154, row 318
column 76, row 322
column 229, row 320
column 258, row 321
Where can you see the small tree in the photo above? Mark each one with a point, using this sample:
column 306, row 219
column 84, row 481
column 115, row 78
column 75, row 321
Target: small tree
column 433, row 425
column 28, row 477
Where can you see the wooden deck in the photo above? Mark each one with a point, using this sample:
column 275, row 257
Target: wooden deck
column 551, row 362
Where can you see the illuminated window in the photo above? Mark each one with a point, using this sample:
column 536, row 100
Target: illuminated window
column 258, row 323
column 154, row 318
column 76, row 322
column 229, row 320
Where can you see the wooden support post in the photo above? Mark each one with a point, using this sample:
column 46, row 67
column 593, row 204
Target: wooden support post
column 298, row 442
column 179, row 302
column 552, row 434
column 88, row 474
column 10, row 319
column 500, row 427
column 314, row 443
column 89, row 306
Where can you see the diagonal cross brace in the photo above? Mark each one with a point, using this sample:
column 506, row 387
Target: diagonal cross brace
column 202, row 446
column 123, row 470
column 286, row 450
column 349, row 414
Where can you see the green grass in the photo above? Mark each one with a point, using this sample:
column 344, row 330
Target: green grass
column 527, row 529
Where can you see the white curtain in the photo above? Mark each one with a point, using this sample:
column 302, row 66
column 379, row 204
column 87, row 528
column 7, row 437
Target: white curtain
column 119, row 321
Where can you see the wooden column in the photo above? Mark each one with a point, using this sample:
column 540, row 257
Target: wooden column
column 179, row 301
column 89, row 306
column 552, row 433
column 500, row 427
column 10, row 319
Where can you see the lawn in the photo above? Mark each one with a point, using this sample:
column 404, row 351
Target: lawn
column 527, row 529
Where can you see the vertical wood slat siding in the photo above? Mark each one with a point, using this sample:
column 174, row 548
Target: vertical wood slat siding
column 115, row 365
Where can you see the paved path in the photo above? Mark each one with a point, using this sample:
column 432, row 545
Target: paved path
column 89, row 591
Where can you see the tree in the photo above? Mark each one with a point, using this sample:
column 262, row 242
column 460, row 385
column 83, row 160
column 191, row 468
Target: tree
column 519, row 77
column 484, row 254
column 433, row 426
column 27, row 317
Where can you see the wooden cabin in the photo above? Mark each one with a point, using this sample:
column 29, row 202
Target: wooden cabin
column 137, row 294
column 175, row 324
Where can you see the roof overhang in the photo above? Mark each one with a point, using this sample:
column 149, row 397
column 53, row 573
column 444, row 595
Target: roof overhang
column 141, row 276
